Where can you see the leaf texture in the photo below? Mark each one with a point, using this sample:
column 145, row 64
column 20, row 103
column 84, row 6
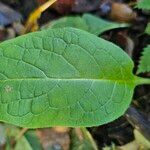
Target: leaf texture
column 63, row 77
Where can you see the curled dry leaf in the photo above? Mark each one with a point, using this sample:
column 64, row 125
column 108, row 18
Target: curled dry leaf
column 121, row 13
column 63, row 6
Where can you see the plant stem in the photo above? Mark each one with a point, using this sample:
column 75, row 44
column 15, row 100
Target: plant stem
column 46, row 5
column 88, row 136
column 21, row 133
column 140, row 81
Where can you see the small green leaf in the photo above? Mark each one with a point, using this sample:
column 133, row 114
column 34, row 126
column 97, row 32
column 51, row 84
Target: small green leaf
column 64, row 77
column 111, row 147
column 144, row 65
column 98, row 26
column 33, row 140
column 81, row 139
column 76, row 22
column 147, row 30
column 23, row 143
column 88, row 23
column 143, row 4
column 10, row 133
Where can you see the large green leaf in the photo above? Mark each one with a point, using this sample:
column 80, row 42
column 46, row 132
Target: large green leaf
column 64, row 77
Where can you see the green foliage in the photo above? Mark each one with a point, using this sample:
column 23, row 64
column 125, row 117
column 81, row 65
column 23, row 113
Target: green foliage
column 147, row 30
column 143, row 4
column 10, row 134
column 98, row 25
column 88, row 23
column 64, row 77
column 144, row 65
column 82, row 140
column 33, row 140
column 76, row 22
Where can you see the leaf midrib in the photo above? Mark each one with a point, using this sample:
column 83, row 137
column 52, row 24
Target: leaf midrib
column 70, row 79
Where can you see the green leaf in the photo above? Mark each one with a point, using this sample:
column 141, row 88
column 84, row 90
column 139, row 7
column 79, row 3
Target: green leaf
column 76, row 22
column 64, row 77
column 88, row 23
column 147, row 30
column 98, row 26
column 13, row 142
column 33, row 139
column 143, row 4
column 111, row 147
column 23, row 143
column 144, row 65
column 82, row 140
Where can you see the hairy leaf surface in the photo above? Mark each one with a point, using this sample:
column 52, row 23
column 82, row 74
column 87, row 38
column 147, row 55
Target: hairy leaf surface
column 64, row 77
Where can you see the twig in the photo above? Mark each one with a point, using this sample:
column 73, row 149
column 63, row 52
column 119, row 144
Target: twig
column 21, row 133
column 31, row 23
column 137, row 120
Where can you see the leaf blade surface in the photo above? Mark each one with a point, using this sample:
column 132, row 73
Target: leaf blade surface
column 64, row 77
